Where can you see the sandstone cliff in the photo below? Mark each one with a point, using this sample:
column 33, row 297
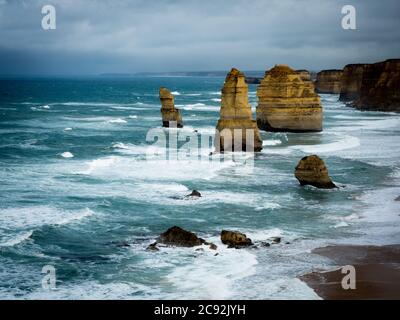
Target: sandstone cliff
column 328, row 81
column 380, row 87
column 287, row 103
column 236, row 129
column 351, row 82
column 170, row 115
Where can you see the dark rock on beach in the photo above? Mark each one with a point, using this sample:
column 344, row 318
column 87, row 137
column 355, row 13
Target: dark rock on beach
column 235, row 239
column 179, row 237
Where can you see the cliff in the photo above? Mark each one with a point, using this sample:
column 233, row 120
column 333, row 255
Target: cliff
column 351, row 82
column 170, row 115
column 236, row 129
column 380, row 87
column 328, row 81
column 287, row 103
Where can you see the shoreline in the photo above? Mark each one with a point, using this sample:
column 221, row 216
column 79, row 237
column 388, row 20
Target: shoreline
column 377, row 273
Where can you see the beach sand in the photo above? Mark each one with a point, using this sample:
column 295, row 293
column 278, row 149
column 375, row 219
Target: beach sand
column 377, row 273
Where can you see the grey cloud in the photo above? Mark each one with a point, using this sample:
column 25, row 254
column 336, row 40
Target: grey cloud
column 96, row 36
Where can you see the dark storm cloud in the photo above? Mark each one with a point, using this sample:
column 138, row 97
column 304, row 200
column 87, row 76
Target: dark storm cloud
column 97, row 36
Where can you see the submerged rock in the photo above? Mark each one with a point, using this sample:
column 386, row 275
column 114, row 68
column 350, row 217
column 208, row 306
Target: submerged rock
column 286, row 103
column 153, row 247
column 171, row 117
column 235, row 239
column 397, row 199
column 236, row 129
column 179, row 237
column 329, row 81
column 194, row 194
column 312, row 171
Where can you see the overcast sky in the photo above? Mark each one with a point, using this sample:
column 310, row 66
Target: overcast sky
column 127, row 36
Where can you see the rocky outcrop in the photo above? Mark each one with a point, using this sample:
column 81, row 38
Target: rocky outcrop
column 287, row 103
column 235, row 239
column 236, row 129
column 179, row 237
column 329, row 81
column 171, row 117
column 312, row 171
column 351, row 82
column 380, row 87
column 194, row 194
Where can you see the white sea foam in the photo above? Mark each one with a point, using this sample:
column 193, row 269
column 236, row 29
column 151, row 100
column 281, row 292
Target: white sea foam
column 212, row 277
column 216, row 100
column 271, row 142
column 68, row 129
column 133, row 116
column 176, row 93
column 118, row 120
column 16, row 239
column 346, row 142
column 67, row 155
column 23, row 220
column 45, row 107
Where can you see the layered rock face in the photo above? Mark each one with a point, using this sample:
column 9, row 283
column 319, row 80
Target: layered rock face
column 305, row 75
column 351, row 82
column 380, row 87
column 287, row 103
column 236, row 129
column 312, row 171
column 170, row 115
column 329, row 81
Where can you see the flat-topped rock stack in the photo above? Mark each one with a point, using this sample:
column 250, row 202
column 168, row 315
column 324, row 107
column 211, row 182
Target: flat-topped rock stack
column 329, row 81
column 351, row 82
column 236, row 114
column 305, row 75
column 287, row 103
column 171, row 117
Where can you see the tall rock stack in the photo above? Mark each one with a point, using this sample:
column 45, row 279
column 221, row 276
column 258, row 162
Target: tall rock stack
column 328, row 81
column 380, row 87
column 351, row 82
column 236, row 114
column 287, row 103
column 171, row 116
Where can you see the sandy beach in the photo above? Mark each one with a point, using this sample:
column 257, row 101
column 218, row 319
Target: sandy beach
column 377, row 273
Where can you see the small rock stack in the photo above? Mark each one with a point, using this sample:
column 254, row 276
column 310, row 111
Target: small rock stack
column 171, row 117
column 236, row 129
column 329, row 81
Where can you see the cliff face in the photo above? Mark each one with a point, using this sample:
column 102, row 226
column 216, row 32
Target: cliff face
column 380, row 87
column 236, row 114
column 287, row 103
column 168, row 111
column 328, row 81
column 351, row 82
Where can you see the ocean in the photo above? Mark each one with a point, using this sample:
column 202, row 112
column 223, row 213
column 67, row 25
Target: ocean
column 82, row 190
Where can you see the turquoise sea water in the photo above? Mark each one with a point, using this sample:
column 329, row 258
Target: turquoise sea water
column 81, row 190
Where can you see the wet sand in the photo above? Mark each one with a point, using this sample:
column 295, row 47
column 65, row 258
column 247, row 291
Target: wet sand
column 377, row 273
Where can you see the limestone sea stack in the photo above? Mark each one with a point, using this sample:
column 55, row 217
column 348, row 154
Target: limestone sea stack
column 236, row 129
column 305, row 75
column 312, row 171
column 380, row 87
column 328, row 81
column 286, row 103
column 171, row 117
column 351, row 82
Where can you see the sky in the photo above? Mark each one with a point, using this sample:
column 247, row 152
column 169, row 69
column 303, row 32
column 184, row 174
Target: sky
column 128, row 36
